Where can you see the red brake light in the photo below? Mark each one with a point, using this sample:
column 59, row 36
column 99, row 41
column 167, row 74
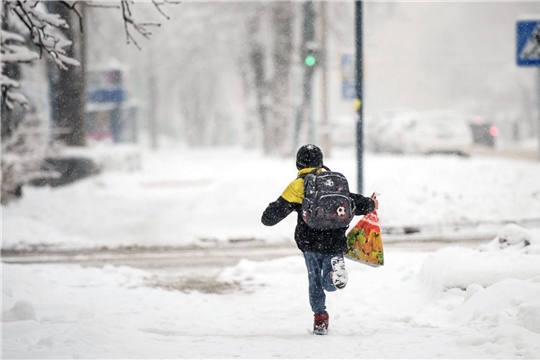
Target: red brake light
column 494, row 131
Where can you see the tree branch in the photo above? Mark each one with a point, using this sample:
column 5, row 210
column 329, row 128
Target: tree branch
column 79, row 15
column 141, row 28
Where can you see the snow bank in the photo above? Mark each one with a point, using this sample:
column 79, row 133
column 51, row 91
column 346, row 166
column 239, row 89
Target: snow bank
column 456, row 267
column 515, row 238
column 22, row 310
column 28, row 232
column 508, row 312
column 513, row 253
column 499, row 284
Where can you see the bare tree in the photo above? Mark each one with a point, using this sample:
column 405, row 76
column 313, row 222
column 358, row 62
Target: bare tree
column 29, row 32
column 67, row 84
column 271, row 61
column 282, row 21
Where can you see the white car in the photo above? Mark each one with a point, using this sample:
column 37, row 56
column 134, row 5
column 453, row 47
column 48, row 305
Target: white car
column 392, row 137
column 380, row 128
column 436, row 132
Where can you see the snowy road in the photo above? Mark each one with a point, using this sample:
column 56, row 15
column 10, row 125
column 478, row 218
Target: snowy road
column 188, row 269
column 166, row 264
column 177, row 258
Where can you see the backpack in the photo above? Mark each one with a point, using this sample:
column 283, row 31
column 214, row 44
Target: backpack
column 327, row 203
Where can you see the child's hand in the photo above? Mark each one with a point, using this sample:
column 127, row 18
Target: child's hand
column 374, row 198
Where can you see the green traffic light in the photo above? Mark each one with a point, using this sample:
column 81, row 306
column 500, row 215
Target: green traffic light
column 310, row 60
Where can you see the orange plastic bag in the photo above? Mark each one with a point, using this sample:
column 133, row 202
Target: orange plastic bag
column 364, row 241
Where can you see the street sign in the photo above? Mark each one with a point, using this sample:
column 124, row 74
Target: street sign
column 347, row 67
column 528, row 43
column 106, row 95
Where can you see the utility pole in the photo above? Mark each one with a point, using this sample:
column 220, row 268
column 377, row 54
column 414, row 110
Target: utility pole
column 310, row 60
column 153, row 126
column 538, row 106
column 326, row 140
column 358, row 102
column 152, row 107
column 528, row 52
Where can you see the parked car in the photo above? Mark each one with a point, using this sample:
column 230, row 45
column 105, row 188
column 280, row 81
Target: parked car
column 436, row 132
column 379, row 125
column 483, row 132
column 392, row 138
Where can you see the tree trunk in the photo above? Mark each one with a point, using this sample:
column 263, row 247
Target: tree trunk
column 282, row 20
column 273, row 97
column 257, row 63
column 10, row 118
column 67, row 87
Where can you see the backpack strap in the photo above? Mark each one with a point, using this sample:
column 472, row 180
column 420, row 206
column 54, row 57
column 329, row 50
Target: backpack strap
column 314, row 171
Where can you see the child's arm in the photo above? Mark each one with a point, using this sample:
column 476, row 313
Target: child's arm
column 277, row 211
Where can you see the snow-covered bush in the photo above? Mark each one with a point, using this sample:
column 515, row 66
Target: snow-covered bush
column 22, row 156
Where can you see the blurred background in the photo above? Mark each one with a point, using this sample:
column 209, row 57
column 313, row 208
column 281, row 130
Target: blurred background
column 238, row 74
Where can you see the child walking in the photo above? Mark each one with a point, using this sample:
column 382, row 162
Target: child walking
column 322, row 248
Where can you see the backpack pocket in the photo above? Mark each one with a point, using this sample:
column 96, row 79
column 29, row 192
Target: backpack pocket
column 332, row 211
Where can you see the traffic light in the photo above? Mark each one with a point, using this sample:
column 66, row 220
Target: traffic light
column 310, row 60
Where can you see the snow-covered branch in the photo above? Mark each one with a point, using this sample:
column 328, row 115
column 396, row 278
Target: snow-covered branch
column 32, row 21
column 13, row 51
column 41, row 27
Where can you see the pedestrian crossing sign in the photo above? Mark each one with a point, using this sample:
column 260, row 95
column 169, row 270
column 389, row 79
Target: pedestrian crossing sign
column 528, row 43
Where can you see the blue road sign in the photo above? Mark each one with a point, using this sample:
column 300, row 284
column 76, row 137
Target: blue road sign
column 348, row 64
column 106, row 95
column 528, row 43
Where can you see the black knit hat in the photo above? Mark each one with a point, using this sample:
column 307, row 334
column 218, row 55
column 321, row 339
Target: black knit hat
column 309, row 156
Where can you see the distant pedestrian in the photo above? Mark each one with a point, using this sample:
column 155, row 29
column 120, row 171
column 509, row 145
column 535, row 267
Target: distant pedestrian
column 322, row 248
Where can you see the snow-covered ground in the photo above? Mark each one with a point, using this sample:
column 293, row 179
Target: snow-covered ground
column 185, row 197
column 452, row 303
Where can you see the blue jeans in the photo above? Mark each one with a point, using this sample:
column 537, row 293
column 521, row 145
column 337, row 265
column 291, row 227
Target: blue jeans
column 319, row 268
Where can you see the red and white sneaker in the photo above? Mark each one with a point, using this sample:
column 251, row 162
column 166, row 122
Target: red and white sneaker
column 338, row 274
column 320, row 324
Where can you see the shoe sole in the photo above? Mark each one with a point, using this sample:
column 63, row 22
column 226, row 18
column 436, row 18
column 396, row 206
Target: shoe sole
column 340, row 273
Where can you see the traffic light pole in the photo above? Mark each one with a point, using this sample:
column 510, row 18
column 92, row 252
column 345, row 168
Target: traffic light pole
column 310, row 60
column 359, row 101
column 538, row 104
column 326, row 140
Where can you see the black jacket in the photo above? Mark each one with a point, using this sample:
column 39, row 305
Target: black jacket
column 331, row 241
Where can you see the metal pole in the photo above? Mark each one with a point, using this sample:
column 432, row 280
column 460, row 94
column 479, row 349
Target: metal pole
column 358, row 102
column 326, row 140
column 538, row 107
column 309, row 34
column 152, row 85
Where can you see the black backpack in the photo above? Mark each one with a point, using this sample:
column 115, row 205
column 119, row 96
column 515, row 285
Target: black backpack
column 327, row 203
